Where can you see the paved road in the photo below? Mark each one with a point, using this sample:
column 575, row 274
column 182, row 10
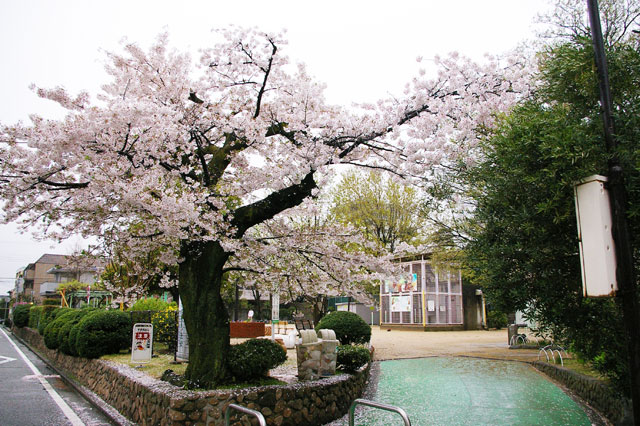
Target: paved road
column 31, row 394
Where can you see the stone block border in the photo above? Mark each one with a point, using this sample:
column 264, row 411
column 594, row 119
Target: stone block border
column 595, row 392
column 147, row 401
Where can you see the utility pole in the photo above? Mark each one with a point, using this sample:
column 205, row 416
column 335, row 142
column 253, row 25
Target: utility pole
column 625, row 272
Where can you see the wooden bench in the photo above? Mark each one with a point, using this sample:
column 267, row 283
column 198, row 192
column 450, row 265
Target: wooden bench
column 304, row 324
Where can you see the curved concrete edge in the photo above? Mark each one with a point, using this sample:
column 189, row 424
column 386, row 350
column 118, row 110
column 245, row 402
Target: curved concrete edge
column 86, row 393
column 601, row 402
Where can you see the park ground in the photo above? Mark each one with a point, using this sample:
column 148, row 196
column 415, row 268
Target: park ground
column 401, row 344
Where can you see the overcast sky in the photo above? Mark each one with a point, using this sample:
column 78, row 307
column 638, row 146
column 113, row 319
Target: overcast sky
column 362, row 50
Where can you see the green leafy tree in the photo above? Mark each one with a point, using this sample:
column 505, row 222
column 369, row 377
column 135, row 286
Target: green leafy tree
column 384, row 209
column 525, row 246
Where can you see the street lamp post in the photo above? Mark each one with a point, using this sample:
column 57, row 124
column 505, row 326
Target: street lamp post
column 625, row 271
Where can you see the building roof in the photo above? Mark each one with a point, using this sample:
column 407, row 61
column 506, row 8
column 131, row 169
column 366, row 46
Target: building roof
column 55, row 259
column 71, row 269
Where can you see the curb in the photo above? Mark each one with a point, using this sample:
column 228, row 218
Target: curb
column 91, row 397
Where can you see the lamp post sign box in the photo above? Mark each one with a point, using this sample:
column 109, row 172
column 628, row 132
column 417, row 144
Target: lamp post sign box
column 142, row 342
column 597, row 249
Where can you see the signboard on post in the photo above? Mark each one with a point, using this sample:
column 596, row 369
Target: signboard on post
column 142, row 343
column 275, row 312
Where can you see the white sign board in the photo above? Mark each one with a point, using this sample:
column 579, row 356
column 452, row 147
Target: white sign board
column 400, row 303
column 182, row 351
column 275, row 307
column 142, row 342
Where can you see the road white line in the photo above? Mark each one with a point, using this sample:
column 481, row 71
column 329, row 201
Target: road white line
column 73, row 417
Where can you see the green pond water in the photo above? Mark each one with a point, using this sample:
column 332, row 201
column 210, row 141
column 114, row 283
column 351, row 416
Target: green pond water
column 468, row 391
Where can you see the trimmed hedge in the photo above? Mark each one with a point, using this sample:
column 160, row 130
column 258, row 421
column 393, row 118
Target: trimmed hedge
column 46, row 316
column 21, row 315
column 351, row 358
column 34, row 316
column 254, row 358
column 102, row 333
column 52, row 330
column 71, row 320
column 349, row 327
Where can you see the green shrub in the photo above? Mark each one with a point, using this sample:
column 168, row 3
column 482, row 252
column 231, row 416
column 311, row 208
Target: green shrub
column 61, row 311
column 165, row 327
column 254, row 358
column 53, row 328
column 70, row 347
column 497, row 319
column 351, row 358
column 46, row 316
column 103, row 332
column 34, row 316
column 349, row 327
column 64, row 337
column 51, row 302
column 151, row 304
column 21, row 315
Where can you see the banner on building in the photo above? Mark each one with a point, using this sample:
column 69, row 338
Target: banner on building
column 403, row 285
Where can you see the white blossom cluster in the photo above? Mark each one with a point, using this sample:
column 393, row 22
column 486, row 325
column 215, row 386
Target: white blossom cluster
column 222, row 150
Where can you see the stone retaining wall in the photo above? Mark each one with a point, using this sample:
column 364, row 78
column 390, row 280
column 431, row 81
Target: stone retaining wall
column 148, row 401
column 597, row 393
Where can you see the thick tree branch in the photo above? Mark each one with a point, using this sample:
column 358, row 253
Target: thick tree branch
column 247, row 216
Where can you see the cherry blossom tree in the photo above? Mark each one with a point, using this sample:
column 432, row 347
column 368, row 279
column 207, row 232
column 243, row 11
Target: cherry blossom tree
column 206, row 164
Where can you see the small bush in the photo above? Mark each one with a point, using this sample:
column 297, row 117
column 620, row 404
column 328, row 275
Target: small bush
column 165, row 327
column 7, row 322
column 497, row 319
column 254, row 358
column 101, row 333
column 349, row 327
column 21, row 315
column 151, row 304
column 51, row 302
column 34, row 316
column 351, row 358
column 46, row 316
column 52, row 330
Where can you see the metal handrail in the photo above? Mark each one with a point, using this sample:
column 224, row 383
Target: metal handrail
column 257, row 414
column 379, row 405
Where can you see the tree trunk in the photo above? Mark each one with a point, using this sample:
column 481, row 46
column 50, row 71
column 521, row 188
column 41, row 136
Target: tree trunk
column 320, row 305
column 205, row 316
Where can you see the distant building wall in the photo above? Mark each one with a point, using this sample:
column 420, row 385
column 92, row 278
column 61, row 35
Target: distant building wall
column 364, row 311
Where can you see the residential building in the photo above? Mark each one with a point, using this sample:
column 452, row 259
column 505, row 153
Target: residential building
column 40, row 278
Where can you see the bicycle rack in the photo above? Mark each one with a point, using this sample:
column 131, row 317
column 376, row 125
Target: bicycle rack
column 258, row 415
column 545, row 353
column 379, row 405
column 518, row 337
column 553, row 349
